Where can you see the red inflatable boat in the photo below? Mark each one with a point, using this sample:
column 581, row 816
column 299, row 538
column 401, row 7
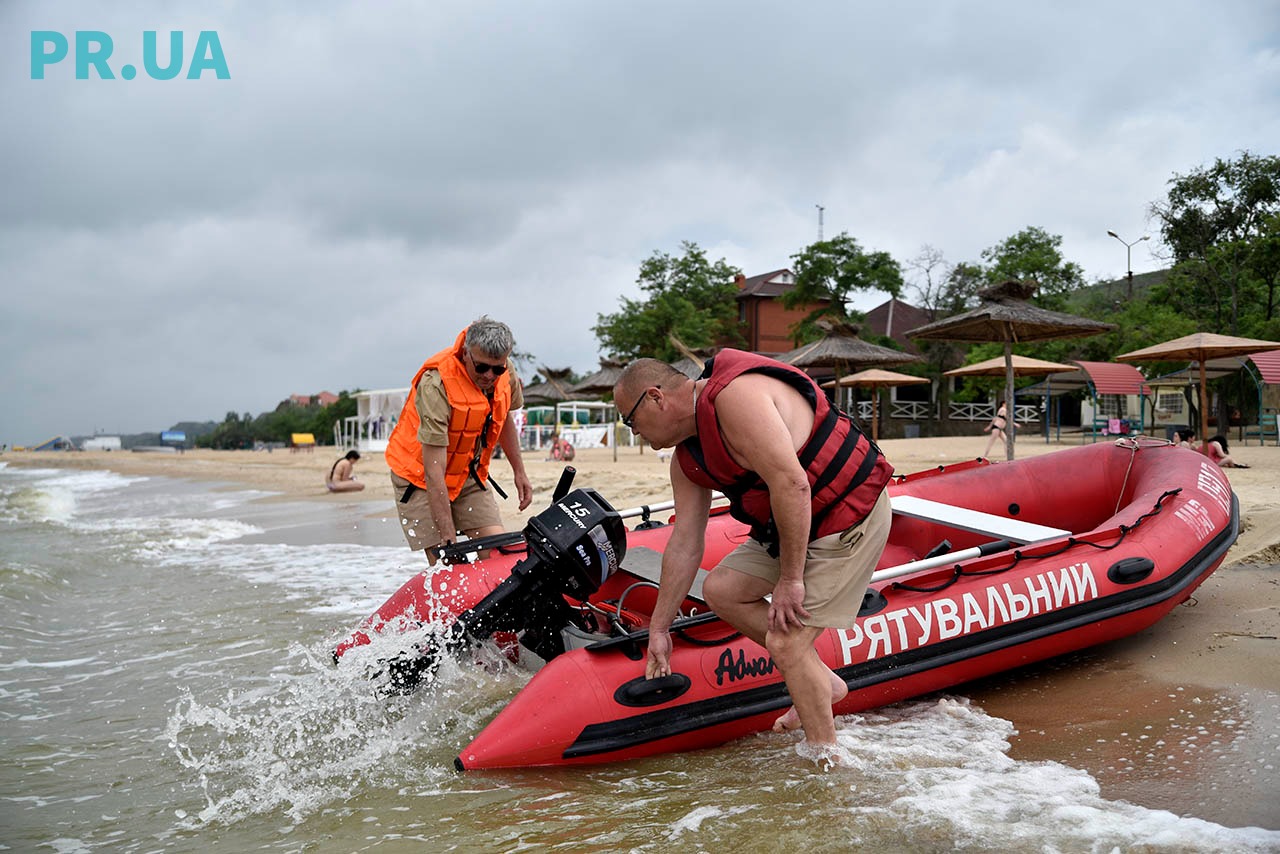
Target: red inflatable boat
column 988, row 567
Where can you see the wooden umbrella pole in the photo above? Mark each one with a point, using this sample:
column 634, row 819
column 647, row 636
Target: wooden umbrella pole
column 1009, row 408
column 1204, row 415
column 875, row 416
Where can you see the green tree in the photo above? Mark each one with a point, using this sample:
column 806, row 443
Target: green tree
column 829, row 272
column 1034, row 254
column 235, row 432
column 686, row 296
column 1219, row 222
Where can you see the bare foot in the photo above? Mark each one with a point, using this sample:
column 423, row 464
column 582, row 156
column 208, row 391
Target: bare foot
column 790, row 719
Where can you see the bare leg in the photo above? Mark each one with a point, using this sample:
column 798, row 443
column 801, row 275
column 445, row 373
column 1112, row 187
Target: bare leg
column 739, row 599
column 991, row 440
column 790, row 719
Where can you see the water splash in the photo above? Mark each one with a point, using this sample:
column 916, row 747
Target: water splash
column 317, row 735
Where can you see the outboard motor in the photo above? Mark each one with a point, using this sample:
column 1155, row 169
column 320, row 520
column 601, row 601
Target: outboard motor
column 573, row 547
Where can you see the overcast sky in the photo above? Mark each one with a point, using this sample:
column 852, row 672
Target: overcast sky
column 373, row 176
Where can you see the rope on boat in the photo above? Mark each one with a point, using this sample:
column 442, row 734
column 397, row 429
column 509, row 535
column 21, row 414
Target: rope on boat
column 1133, row 444
column 676, row 628
column 1019, row 555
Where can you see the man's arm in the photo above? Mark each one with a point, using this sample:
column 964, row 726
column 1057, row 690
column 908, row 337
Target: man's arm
column 433, row 459
column 680, row 561
column 509, row 439
column 760, row 424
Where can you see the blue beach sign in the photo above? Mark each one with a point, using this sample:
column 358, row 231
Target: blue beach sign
column 94, row 48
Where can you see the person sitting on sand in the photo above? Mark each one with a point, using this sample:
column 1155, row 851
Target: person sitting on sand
column 562, row 449
column 1217, row 449
column 1220, row 453
column 341, row 478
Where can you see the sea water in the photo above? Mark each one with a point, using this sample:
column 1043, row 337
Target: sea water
column 166, row 685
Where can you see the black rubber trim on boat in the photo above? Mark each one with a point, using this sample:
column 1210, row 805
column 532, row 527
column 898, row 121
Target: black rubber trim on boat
column 603, row 738
column 640, row 692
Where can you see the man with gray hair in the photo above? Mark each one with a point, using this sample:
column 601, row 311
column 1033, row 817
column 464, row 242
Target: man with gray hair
column 458, row 409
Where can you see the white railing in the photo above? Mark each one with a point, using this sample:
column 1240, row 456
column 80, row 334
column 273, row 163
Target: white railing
column 1026, row 413
column 367, row 434
column 1023, row 413
column 912, row 410
column 971, row 411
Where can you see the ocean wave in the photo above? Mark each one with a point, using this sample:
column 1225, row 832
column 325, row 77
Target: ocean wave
column 159, row 538
column 54, row 495
column 338, row 579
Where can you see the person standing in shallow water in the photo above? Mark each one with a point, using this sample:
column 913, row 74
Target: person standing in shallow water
column 457, row 411
column 341, row 475
column 764, row 434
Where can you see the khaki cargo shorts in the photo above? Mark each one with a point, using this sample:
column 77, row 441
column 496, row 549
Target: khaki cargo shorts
column 473, row 509
column 837, row 567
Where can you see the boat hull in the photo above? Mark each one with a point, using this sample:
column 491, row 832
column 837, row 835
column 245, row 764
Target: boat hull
column 1142, row 526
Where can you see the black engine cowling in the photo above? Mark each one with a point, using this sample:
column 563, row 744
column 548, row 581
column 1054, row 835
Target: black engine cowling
column 573, row 547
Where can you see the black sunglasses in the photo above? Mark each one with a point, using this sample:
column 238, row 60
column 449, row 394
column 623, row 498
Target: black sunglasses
column 485, row 367
column 626, row 419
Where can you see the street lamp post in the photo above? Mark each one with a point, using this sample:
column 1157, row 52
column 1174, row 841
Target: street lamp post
column 1128, row 255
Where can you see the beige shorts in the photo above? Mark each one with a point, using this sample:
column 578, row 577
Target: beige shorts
column 473, row 509
column 837, row 567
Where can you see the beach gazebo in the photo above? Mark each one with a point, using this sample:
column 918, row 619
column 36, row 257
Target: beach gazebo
column 1199, row 347
column 1005, row 315
column 599, row 384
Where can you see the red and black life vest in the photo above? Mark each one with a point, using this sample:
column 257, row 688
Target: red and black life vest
column 846, row 471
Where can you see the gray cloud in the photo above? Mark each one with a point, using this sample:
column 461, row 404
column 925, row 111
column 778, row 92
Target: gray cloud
column 372, row 177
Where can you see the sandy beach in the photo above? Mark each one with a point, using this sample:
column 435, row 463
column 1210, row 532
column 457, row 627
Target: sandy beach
column 1231, row 638
column 1215, row 652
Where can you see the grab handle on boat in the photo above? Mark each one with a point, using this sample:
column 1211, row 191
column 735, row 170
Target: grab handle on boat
column 640, row 692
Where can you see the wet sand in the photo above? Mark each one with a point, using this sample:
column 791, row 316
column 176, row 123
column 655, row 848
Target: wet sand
column 1184, row 716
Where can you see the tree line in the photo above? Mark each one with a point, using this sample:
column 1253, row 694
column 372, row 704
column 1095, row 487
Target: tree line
column 237, row 431
column 1218, row 230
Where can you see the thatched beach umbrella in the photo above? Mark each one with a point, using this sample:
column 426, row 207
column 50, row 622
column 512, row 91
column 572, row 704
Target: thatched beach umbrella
column 552, row 390
column 841, row 349
column 599, row 384
column 688, row 367
column 1023, row 366
column 1199, row 347
column 1005, row 315
column 876, row 379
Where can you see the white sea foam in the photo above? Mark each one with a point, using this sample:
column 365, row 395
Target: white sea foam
column 158, row 537
column 339, row 579
column 54, row 495
column 956, row 779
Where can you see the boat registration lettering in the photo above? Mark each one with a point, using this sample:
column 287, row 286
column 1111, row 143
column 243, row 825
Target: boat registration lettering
column 1196, row 516
column 1214, row 486
column 950, row 617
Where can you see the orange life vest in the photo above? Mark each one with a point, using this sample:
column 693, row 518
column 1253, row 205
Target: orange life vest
column 474, row 424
